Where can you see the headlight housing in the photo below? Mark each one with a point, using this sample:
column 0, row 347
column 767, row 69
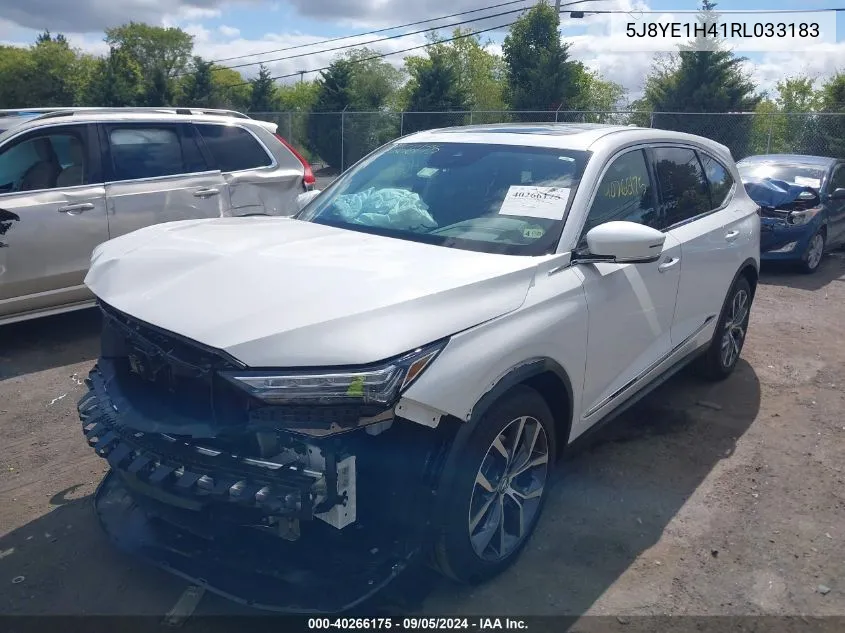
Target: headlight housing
column 800, row 218
column 375, row 386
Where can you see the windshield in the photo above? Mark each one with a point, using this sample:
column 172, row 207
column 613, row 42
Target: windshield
column 793, row 173
column 493, row 198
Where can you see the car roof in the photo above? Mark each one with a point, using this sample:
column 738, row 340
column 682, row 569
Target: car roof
column 573, row 136
column 799, row 159
column 94, row 115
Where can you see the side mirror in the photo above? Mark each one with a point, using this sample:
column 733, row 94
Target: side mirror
column 304, row 198
column 624, row 243
column 838, row 194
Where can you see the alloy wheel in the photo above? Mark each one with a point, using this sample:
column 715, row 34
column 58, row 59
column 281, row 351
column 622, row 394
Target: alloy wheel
column 508, row 489
column 815, row 251
column 734, row 334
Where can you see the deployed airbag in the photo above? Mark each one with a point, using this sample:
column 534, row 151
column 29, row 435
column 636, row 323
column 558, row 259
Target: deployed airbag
column 773, row 194
column 387, row 208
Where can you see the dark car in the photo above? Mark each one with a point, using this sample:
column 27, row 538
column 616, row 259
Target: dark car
column 812, row 222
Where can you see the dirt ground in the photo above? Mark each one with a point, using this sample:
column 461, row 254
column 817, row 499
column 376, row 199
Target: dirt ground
column 720, row 499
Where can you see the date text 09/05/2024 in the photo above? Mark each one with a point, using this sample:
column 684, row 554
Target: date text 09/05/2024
column 723, row 30
column 417, row 624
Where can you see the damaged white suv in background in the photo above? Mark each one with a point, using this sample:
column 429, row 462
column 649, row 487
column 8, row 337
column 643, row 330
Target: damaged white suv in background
column 296, row 409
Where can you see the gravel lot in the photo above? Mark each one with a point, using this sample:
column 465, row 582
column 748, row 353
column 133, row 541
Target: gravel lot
column 703, row 500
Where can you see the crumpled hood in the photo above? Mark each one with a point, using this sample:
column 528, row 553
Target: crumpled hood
column 278, row 292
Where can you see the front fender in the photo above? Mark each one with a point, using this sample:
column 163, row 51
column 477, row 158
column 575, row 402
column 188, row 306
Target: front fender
column 548, row 333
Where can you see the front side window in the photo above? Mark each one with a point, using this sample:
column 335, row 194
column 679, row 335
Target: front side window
column 233, row 148
column 487, row 197
column 624, row 194
column 43, row 161
column 837, row 180
column 683, row 188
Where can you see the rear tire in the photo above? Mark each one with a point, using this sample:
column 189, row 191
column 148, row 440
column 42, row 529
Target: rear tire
column 721, row 357
column 812, row 257
column 494, row 487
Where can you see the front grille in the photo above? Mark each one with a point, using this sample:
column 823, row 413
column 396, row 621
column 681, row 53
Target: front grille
column 168, row 378
column 185, row 471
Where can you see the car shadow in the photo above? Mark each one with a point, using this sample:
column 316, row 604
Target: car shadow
column 830, row 270
column 48, row 342
column 610, row 501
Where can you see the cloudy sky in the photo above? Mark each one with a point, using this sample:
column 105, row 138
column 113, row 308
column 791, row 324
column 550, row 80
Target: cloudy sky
column 224, row 29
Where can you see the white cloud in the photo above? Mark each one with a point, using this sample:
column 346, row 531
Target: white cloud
column 228, row 31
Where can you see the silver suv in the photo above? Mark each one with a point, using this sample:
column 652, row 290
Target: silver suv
column 71, row 179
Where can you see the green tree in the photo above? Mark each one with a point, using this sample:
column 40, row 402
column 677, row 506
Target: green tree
column 704, row 78
column 297, row 97
column 324, row 124
column 540, row 75
column 832, row 126
column 162, row 54
column 367, row 88
column 436, row 86
column 479, row 73
column 15, row 68
column 229, row 89
column 197, row 88
column 596, row 94
column 117, row 81
column 262, row 94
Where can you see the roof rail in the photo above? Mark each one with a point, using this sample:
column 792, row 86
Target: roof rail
column 46, row 113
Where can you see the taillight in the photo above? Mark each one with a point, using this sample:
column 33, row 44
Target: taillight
column 308, row 179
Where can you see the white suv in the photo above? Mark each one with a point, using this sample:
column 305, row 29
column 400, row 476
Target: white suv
column 407, row 357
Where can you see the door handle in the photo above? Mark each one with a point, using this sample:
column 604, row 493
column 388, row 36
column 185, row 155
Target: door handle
column 76, row 209
column 730, row 237
column 206, row 193
column 669, row 262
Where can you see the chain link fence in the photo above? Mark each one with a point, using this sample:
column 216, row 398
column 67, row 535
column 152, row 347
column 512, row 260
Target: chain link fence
column 339, row 139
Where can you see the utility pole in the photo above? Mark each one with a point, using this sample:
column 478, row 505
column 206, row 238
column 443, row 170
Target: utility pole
column 301, row 75
column 557, row 7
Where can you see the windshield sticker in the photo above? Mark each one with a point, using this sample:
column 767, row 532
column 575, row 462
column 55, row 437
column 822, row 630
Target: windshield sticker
column 535, row 202
column 533, row 232
column 427, row 172
column 803, row 181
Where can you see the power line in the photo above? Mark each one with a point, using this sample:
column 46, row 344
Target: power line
column 375, row 41
column 384, row 30
column 382, row 55
column 300, row 73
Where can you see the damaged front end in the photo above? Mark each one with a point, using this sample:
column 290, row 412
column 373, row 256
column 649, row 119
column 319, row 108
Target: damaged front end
column 218, row 477
column 790, row 215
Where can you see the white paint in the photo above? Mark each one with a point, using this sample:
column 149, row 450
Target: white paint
column 535, row 202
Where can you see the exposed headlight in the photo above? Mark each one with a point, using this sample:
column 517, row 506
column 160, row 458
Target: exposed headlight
column 799, row 218
column 376, row 385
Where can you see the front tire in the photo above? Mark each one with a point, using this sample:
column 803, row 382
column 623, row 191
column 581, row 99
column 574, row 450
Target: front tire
column 813, row 255
column 494, row 487
column 721, row 357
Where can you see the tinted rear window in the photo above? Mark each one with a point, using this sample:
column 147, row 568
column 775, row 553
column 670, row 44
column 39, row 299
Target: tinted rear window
column 233, row 148
column 145, row 152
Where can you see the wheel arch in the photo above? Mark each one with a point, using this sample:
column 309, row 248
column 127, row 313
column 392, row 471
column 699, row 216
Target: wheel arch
column 751, row 271
column 548, row 378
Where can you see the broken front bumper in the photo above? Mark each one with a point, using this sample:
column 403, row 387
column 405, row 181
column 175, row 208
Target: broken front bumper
column 210, row 520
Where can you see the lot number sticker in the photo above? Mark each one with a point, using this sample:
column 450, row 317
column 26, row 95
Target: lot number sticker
column 528, row 201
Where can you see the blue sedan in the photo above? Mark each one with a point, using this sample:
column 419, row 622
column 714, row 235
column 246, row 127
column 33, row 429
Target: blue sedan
column 803, row 231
